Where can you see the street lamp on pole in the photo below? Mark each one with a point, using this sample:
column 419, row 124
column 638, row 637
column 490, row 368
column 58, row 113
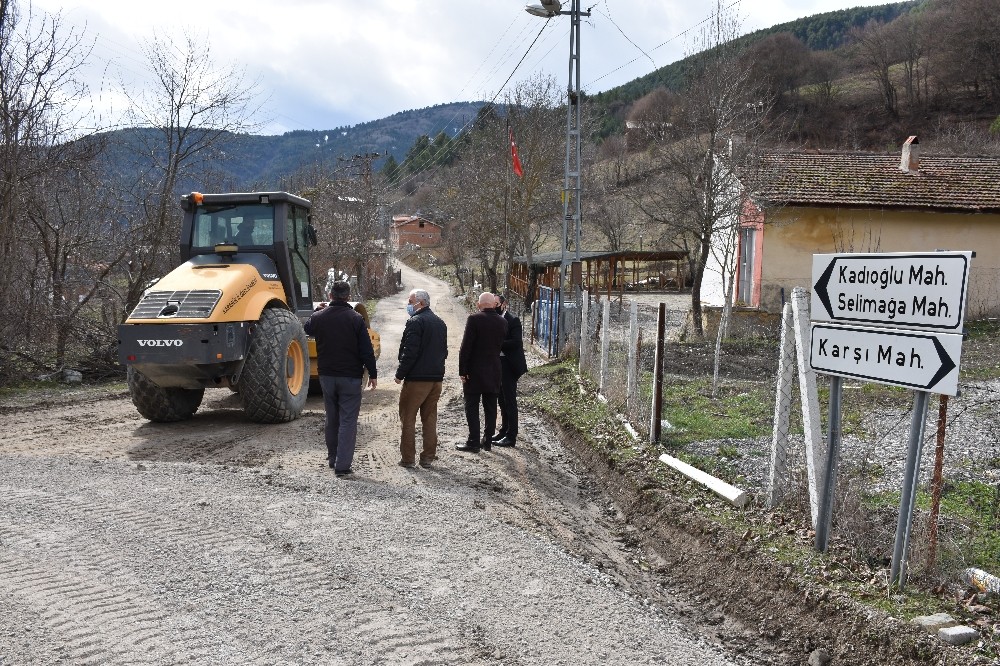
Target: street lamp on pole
column 572, row 182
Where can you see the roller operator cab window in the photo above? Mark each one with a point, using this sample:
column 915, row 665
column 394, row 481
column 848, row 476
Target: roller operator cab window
column 249, row 225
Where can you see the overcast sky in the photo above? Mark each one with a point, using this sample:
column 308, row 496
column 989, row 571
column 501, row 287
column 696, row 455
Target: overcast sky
column 323, row 64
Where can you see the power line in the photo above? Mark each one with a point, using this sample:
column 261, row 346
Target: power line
column 438, row 166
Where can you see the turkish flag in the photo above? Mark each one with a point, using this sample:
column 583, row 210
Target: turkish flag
column 513, row 155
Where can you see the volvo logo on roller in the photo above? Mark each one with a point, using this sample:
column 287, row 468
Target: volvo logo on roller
column 925, row 291
column 921, row 360
column 160, row 343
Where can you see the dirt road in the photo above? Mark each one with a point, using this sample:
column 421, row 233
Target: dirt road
column 218, row 541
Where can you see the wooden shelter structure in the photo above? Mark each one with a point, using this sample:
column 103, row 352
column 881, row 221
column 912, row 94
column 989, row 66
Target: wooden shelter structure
column 602, row 271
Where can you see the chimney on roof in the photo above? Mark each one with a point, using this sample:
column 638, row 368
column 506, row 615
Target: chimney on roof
column 910, row 161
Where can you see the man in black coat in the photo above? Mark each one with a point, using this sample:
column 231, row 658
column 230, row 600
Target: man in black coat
column 479, row 369
column 343, row 352
column 422, row 353
column 512, row 366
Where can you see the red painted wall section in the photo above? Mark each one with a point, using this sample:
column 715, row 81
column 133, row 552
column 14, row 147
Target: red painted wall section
column 752, row 217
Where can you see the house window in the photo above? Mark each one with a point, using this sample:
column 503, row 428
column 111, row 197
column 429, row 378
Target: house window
column 748, row 243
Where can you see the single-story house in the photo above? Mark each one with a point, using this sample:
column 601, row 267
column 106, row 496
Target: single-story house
column 818, row 202
column 414, row 230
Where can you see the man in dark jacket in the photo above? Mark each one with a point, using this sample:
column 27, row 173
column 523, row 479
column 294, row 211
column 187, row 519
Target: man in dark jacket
column 479, row 369
column 422, row 353
column 343, row 353
column 512, row 366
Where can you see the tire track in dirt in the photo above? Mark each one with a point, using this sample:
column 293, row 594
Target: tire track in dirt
column 204, row 548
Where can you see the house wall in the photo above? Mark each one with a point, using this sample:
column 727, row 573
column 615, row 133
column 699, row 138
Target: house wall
column 793, row 235
column 427, row 235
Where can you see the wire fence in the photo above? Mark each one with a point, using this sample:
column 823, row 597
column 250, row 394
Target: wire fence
column 617, row 347
column 785, row 466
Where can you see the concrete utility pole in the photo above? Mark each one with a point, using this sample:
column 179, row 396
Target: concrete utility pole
column 572, row 182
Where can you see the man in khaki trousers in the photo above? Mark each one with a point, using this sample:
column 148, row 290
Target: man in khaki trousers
column 422, row 353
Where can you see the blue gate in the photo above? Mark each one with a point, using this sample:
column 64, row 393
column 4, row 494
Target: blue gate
column 546, row 323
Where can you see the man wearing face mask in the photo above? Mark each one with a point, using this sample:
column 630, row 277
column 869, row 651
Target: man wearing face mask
column 422, row 353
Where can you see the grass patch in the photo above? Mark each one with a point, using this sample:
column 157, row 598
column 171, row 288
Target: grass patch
column 972, row 509
column 34, row 386
column 738, row 411
column 560, row 398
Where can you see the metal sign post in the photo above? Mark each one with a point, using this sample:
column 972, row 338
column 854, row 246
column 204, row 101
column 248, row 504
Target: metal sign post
column 832, row 454
column 908, row 494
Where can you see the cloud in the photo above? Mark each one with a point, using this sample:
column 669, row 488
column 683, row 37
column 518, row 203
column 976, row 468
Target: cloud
column 324, row 64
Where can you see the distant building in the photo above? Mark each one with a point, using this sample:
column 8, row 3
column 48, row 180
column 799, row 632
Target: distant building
column 414, row 230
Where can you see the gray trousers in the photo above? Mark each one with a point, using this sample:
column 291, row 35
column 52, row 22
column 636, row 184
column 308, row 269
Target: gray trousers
column 342, row 399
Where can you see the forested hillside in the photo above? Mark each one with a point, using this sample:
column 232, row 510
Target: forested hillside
column 250, row 161
column 821, row 32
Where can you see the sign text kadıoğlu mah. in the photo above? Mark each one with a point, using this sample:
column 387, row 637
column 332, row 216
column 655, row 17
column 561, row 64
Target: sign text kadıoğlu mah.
column 909, row 290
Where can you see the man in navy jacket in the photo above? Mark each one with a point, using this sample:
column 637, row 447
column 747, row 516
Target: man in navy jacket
column 422, row 353
column 343, row 353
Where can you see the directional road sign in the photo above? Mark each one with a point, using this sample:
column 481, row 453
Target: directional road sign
column 909, row 290
column 920, row 360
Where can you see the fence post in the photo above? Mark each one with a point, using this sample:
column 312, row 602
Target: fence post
column 584, row 332
column 655, row 418
column 782, row 409
column 809, row 397
column 605, row 344
column 631, row 377
column 937, row 482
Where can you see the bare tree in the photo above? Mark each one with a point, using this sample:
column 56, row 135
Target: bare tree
column 909, row 34
column 877, row 53
column 966, row 40
column 348, row 213
column 80, row 244
column 509, row 214
column 40, row 99
column 823, row 73
column 610, row 211
column 703, row 176
column 650, row 119
column 778, row 63
column 181, row 121
column 537, row 116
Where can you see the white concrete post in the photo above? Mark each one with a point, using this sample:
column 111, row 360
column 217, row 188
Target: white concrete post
column 632, row 376
column 584, row 331
column 778, row 476
column 809, row 397
column 605, row 343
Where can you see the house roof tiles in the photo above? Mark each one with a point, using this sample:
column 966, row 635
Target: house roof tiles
column 870, row 180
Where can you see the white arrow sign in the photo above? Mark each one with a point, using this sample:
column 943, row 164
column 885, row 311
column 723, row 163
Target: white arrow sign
column 921, row 360
column 893, row 289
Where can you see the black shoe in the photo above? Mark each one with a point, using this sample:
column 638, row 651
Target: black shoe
column 506, row 441
column 486, row 445
column 468, row 447
column 343, row 472
column 497, row 437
